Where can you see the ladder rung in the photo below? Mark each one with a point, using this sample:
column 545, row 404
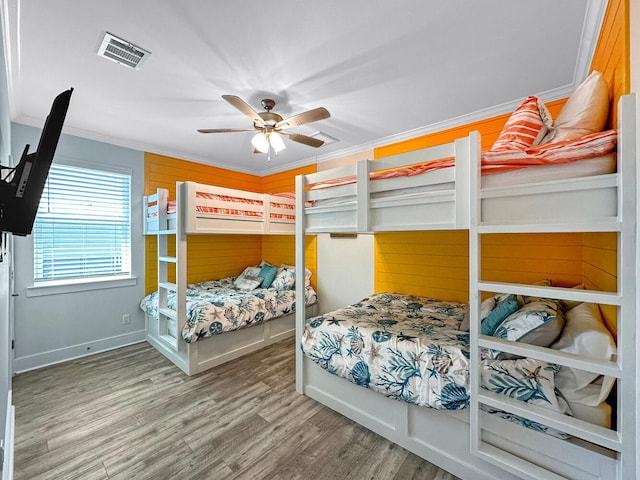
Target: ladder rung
column 591, row 296
column 602, row 367
column 578, row 428
column 170, row 341
column 168, row 312
column 167, row 259
column 168, row 286
column 605, row 224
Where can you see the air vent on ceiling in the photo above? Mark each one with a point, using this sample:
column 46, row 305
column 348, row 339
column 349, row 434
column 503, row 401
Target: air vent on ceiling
column 326, row 138
column 122, row 52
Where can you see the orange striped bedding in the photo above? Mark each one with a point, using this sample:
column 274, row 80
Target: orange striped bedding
column 171, row 206
column 493, row 162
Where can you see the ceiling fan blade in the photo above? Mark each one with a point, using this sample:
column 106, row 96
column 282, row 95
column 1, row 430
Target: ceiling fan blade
column 312, row 142
column 225, row 130
column 244, row 108
column 314, row 115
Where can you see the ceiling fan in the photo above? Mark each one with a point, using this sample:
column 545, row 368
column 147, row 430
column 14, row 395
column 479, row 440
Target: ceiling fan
column 270, row 126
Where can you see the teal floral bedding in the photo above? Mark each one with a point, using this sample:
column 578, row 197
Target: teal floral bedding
column 218, row 306
column 410, row 348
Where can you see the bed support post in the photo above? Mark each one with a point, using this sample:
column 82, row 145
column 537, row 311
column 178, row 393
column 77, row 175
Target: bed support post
column 467, row 154
column 300, row 274
column 363, row 219
column 628, row 283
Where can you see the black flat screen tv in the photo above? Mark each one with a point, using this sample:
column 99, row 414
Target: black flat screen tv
column 21, row 188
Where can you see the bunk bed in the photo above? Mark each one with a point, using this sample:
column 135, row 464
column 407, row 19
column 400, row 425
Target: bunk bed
column 199, row 326
column 473, row 442
column 210, row 209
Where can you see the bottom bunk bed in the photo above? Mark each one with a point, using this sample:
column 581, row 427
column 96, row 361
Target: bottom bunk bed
column 227, row 318
column 385, row 360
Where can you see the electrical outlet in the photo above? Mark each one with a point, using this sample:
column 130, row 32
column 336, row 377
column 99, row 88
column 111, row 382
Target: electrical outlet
column 126, row 319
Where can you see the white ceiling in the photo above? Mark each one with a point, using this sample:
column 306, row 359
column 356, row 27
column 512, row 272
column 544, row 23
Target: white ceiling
column 385, row 70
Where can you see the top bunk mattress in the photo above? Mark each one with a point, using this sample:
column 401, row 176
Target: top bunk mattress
column 587, row 156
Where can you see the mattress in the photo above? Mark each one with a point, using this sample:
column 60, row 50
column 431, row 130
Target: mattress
column 218, row 306
column 410, row 348
column 240, row 211
column 601, row 165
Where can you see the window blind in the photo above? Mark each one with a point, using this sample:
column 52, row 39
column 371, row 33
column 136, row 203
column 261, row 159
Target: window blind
column 82, row 228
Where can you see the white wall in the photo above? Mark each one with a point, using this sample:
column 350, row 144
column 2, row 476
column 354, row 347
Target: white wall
column 57, row 327
column 345, row 265
column 345, row 270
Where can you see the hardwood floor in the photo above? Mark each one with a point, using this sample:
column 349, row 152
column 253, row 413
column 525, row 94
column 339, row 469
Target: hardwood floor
column 131, row 414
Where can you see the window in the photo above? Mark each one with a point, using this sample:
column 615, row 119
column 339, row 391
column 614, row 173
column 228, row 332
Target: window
column 82, row 230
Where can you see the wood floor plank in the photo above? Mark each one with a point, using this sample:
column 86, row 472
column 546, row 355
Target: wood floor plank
column 131, row 414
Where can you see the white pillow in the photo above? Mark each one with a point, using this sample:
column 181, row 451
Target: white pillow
column 586, row 111
column 248, row 282
column 485, row 309
column 250, row 272
column 486, row 306
column 584, row 333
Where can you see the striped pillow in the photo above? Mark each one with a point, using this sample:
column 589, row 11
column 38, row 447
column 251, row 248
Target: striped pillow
column 526, row 126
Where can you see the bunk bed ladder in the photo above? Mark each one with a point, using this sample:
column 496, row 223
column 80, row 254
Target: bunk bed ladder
column 620, row 442
column 169, row 318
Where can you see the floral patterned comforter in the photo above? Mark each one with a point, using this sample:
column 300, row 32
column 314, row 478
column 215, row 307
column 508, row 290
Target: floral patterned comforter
column 218, row 306
column 410, row 348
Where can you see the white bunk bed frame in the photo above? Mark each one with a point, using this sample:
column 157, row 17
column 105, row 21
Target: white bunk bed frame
column 473, row 444
column 209, row 352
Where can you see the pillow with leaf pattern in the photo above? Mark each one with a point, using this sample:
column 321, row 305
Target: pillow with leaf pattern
column 285, row 278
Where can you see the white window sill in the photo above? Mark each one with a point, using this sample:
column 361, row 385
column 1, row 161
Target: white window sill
column 56, row 288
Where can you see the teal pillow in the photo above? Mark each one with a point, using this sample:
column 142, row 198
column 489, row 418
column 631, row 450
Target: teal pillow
column 268, row 272
column 501, row 311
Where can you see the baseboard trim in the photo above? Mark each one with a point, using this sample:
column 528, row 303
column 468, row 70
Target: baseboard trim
column 32, row 362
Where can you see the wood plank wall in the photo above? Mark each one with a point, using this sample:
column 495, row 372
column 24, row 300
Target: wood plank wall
column 415, row 262
column 489, row 129
column 431, row 264
column 281, row 248
column 163, row 172
column 611, row 56
column 600, row 270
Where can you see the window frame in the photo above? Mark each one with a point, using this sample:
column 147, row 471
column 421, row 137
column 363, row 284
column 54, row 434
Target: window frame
column 54, row 287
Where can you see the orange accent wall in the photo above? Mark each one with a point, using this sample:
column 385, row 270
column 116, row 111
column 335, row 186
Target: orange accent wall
column 281, row 248
column 612, row 54
column 432, row 264
column 436, row 263
column 489, row 130
column 600, row 268
column 611, row 57
column 284, row 181
column 164, row 172
column 219, row 256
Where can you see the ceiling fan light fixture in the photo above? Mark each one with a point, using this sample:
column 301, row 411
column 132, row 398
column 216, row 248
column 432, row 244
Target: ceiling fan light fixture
column 260, row 142
column 276, row 141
